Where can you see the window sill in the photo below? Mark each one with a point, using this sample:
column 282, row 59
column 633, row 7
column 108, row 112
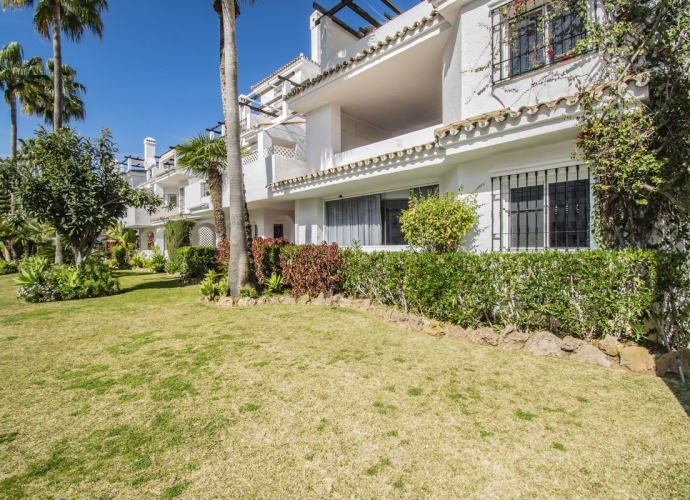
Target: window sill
column 540, row 69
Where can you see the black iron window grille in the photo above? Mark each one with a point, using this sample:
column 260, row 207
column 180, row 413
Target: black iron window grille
column 527, row 36
column 542, row 209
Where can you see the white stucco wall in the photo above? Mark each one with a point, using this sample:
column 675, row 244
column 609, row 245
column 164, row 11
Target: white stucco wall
column 323, row 136
column 309, row 221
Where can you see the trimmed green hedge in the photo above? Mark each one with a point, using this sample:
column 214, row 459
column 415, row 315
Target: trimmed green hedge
column 195, row 262
column 178, row 235
column 587, row 294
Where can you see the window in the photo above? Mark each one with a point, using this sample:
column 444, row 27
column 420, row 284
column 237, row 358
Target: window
column 372, row 220
column 531, row 36
column 171, row 199
column 278, row 231
column 544, row 209
column 204, row 189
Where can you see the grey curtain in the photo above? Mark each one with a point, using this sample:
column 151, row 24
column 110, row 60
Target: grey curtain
column 354, row 219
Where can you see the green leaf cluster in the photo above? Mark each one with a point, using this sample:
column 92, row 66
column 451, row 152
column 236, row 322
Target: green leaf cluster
column 438, row 224
column 178, row 234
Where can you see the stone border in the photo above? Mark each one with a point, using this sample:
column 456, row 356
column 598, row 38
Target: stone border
column 607, row 353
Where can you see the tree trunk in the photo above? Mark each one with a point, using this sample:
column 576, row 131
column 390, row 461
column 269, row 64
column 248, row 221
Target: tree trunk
column 57, row 61
column 13, row 127
column 59, row 251
column 215, row 186
column 239, row 272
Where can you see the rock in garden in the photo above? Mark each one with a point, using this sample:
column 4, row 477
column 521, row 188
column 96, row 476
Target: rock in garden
column 434, row 329
column 513, row 340
column 275, row 300
column 416, row 323
column 590, row 355
column 319, row 301
column 457, row 333
column 226, row 302
column 545, row 344
column 288, row 301
column 365, row 305
column 246, row 302
column 484, row 336
column 571, row 344
column 636, row 359
column 668, row 364
column 343, row 302
column 262, row 301
column 304, row 300
column 610, row 345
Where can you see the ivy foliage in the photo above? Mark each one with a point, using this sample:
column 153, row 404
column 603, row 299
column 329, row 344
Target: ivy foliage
column 73, row 183
column 178, row 234
column 438, row 224
column 639, row 150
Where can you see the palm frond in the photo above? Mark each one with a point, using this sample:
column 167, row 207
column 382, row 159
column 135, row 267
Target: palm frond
column 202, row 153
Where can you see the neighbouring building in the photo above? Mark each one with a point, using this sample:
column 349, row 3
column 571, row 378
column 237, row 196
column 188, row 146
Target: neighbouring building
column 449, row 95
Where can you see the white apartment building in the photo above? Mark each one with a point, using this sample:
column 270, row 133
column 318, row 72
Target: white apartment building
column 450, row 94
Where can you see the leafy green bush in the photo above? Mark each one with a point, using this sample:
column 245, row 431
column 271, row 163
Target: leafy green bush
column 8, row 267
column 158, row 262
column 214, row 286
column 438, row 224
column 40, row 283
column 178, row 235
column 195, row 262
column 266, row 253
column 140, row 262
column 120, row 256
column 586, row 294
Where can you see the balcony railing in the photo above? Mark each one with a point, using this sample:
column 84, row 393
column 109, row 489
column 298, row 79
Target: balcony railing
column 285, row 153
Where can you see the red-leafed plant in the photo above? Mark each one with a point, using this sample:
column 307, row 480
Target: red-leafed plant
column 313, row 269
column 223, row 257
column 266, row 252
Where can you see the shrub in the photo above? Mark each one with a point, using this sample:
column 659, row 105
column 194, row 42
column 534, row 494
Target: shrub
column 140, row 262
column 438, row 224
column 312, row 269
column 195, row 262
column 223, row 257
column 158, row 262
column 66, row 282
column 214, row 286
column 8, row 267
column 266, row 253
column 178, row 235
column 119, row 254
column 586, row 294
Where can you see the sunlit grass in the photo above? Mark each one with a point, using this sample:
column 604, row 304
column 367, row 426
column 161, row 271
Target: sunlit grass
column 151, row 394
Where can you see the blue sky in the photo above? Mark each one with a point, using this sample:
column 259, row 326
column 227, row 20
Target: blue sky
column 156, row 71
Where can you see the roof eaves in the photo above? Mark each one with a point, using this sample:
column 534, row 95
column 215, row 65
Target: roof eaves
column 298, row 59
column 417, row 25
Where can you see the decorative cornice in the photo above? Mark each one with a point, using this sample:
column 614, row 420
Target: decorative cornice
column 355, row 167
column 598, row 93
column 380, row 45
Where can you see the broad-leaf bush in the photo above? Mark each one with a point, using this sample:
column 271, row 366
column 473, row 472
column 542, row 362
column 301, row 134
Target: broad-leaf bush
column 438, row 224
column 8, row 267
column 40, row 283
column 586, row 294
column 266, row 252
column 195, row 262
column 312, row 269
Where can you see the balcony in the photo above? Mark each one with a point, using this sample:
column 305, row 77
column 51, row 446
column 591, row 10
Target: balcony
column 163, row 215
column 136, row 218
column 270, row 165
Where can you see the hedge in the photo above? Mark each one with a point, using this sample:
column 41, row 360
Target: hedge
column 312, row 269
column 177, row 235
column 195, row 262
column 266, row 253
column 587, row 294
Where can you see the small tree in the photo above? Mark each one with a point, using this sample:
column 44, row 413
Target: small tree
column 178, row 234
column 438, row 224
column 73, row 183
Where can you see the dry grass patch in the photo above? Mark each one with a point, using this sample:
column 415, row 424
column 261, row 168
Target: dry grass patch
column 150, row 394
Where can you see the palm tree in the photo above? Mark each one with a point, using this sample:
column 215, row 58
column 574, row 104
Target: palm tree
column 204, row 156
column 239, row 269
column 39, row 100
column 17, row 78
column 126, row 238
column 74, row 18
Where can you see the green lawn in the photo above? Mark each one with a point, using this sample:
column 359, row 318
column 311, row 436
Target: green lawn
column 151, row 394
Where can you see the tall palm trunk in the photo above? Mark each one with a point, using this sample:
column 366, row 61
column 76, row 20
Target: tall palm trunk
column 57, row 73
column 215, row 186
column 57, row 102
column 13, row 127
column 239, row 272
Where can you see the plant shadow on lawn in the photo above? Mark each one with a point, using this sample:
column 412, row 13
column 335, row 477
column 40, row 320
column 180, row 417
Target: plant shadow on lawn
column 158, row 284
column 681, row 392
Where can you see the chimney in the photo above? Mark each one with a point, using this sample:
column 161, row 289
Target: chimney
column 149, row 153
